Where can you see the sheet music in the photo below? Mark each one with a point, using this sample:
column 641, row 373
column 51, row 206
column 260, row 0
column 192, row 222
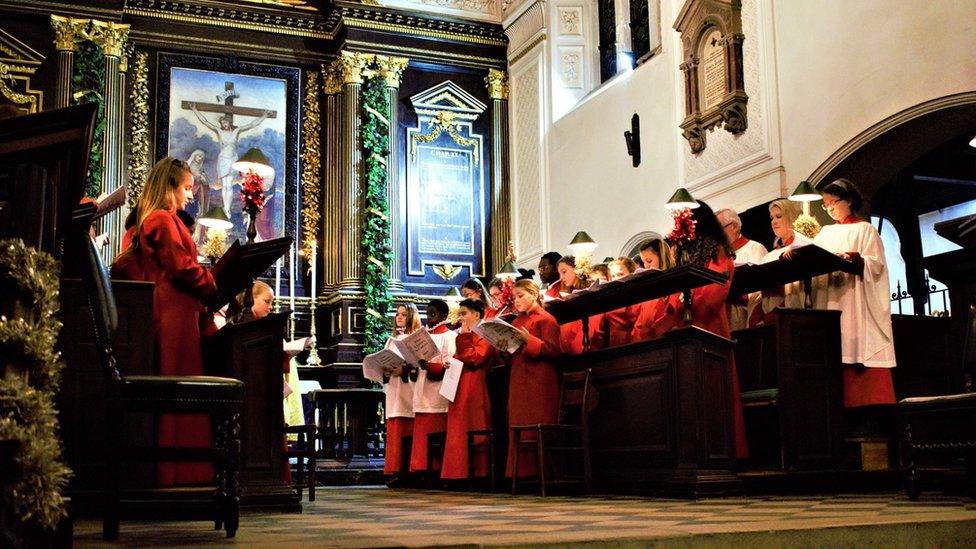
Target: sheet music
column 295, row 346
column 416, row 347
column 379, row 363
column 452, row 375
column 110, row 202
column 502, row 335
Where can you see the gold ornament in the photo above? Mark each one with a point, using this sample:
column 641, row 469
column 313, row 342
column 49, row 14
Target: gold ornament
column 806, row 225
column 311, row 158
column 497, row 82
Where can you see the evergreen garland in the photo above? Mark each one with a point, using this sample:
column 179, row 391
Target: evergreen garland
column 376, row 248
column 31, row 374
column 87, row 84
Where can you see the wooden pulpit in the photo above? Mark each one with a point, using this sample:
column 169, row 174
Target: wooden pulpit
column 252, row 352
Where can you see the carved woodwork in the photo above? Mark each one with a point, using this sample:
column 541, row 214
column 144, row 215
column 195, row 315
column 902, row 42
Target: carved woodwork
column 711, row 38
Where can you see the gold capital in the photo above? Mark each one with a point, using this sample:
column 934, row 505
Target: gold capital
column 110, row 36
column 390, row 69
column 497, row 82
column 351, row 65
column 67, row 30
column 331, row 78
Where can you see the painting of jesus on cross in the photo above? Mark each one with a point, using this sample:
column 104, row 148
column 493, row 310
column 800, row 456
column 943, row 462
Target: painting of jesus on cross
column 213, row 118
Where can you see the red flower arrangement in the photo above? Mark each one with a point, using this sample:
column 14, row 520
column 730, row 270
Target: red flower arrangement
column 507, row 297
column 684, row 227
column 252, row 192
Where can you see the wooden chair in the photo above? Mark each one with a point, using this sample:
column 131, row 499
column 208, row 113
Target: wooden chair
column 939, row 427
column 577, row 399
column 488, row 446
column 221, row 398
column 435, row 450
column 304, row 452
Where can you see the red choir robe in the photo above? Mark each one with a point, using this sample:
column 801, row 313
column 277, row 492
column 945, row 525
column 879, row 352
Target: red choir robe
column 644, row 322
column 167, row 256
column 471, row 409
column 616, row 326
column 533, row 390
column 490, row 312
column 571, row 333
column 430, row 408
column 867, row 347
column 708, row 311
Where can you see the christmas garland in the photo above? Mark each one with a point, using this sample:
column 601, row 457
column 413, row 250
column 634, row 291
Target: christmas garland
column 87, row 82
column 376, row 248
column 28, row 333
column 139, row 156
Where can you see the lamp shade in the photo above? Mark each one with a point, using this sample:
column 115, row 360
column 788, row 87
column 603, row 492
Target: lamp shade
column 508, row 270
column 216, row 218
column 254, row 160
column 582, row 243
column 681, row 199
column 452, row 294
column 805, row 193
column 972, row 142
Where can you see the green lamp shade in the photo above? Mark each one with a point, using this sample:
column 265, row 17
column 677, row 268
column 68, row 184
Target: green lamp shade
column 608, row 259
column 582, row 243
column 681, row 199
column 254, row 160
column 216, row 218
column 509, row 270
column 452, row 293
column 805, row 193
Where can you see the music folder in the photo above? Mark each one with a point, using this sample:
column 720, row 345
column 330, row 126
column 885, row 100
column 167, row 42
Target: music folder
column 236, row 270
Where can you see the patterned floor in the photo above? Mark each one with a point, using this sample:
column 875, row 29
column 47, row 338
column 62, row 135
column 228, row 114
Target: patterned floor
column 381, row 517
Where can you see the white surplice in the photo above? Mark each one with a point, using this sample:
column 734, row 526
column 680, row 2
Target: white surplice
column 427, row 397
column 864, row 301
column 399, row 394
column 750, row 252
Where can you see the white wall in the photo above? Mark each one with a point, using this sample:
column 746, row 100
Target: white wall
column 818, row 72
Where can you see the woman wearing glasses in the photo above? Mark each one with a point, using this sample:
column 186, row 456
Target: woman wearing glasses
column 867, row 349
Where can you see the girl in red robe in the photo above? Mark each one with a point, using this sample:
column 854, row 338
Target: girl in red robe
column 654, row 254
column 710, row 248
column 162, row 251
column 471, row 409
column 571, row 333
column 533, row 391
column 474, row 289
column 618, row 324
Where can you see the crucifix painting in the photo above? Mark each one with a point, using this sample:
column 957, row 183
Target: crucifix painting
column 214, row 118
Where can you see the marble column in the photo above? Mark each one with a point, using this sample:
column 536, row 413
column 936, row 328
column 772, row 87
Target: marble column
column 391, row 71
column 111, row 37
column 66, row 32
column 332, row 177
column 351, row 65
column 501, row 215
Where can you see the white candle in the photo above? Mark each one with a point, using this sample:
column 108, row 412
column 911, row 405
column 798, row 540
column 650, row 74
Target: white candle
column 278, row 278
column 291, row 278
column 314, row 256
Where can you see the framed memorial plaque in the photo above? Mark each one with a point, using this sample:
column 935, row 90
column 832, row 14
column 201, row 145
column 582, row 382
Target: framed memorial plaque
column 445, row 185
column 711, row 38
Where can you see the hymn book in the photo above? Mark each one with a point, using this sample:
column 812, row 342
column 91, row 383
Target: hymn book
column 109, row 202
column 416, row 347
column 500, row 334
column 381, row 363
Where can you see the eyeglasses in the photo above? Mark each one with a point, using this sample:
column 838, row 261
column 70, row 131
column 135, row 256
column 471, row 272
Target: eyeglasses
column 827, row 205
column 729, row 224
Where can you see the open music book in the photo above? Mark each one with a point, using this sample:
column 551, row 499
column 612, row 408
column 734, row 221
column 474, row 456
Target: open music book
column 240, row 265
column 109, row 202
column 500, row 334
column 380, row 363
column 416, row 347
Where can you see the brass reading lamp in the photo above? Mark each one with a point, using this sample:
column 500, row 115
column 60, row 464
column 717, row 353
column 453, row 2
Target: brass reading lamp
column 805, row 193
column 582, row 244
column 216, row 218
column 508, row 270
column 681, row 199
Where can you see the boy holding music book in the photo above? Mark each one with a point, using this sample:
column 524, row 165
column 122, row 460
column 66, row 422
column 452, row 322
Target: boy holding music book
column 431, row 350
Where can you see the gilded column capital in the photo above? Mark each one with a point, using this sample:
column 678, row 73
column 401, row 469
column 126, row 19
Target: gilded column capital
column 67, row 31
column 350, row 66
column 390, row 69
column 331, row 78
column 110, row 36
column 497, row 82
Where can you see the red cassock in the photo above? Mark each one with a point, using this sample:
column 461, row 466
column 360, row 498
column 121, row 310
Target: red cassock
column 533, row 390
column 708, row 311
column 490, row 312
column 168, row 257
column 644, row 325
column 615, row 327
column 425, row 421
column 471, row 409
column 571, row 333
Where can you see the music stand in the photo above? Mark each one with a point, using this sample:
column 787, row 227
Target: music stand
column 236, row 270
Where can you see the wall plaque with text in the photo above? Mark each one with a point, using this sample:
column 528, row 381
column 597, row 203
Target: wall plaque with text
column 711, row 38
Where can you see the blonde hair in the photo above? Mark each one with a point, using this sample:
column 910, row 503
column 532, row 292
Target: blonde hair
column 663, row 251
column 158, row 193
column 413, row 318
column 625, row 262
column 790, row 210
column 260, row 288
column 527, row 285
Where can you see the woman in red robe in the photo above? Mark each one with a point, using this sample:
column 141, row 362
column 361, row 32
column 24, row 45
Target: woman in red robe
column 533, row 390
column 162, row 251
column 710, row 248
column 471, row 409
column 571, row 333
column 617, row 324
column 654, row 254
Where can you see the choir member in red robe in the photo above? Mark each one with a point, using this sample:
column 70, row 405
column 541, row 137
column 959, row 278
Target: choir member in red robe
column 533, row 391
column 471, row 409
column 429, row 406
column 571, row 333
column 867, row 347
column 710, row 249
column 616, row 325
column 474, row 289
column 162, row 251
column 399, row 393
column 654, row 254
column 495, row 292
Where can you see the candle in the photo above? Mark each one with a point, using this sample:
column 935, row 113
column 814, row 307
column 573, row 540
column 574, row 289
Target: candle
column 314, row 256
column 291, row 277
column 278, row 278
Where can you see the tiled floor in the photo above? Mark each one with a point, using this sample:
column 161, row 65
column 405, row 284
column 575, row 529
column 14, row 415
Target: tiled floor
column 381, row 517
